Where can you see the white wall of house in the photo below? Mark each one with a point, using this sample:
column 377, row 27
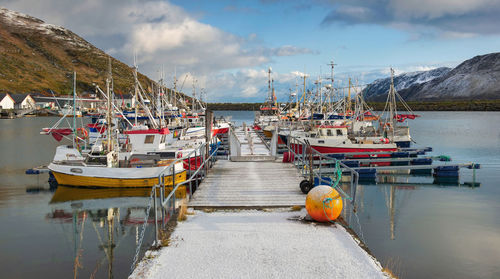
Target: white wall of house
column 28, row 103
column 7, row 102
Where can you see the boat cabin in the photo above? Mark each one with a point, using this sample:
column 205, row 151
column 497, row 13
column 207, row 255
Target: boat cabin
column 147, row 140
column 339, row 131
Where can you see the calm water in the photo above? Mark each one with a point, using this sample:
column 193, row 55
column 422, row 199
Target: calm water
column 57, row 234
column 420, row 229
column 417, row 228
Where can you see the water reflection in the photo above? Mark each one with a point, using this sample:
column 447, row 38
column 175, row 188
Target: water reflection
column 394, row 189
column 110, row 215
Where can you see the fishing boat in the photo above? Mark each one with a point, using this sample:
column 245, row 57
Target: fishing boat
column 336, row 140
column 81, row 173
column 268, row 116
column 108, row 168
column 395, row 127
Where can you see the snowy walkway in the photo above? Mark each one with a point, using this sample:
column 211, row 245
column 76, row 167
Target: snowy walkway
column 257, row 244
column 256, row 148
column 249, row 184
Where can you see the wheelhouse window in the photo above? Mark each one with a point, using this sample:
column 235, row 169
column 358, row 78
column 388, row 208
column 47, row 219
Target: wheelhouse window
column 149, row 139
column 339, row 132
column 329, row 132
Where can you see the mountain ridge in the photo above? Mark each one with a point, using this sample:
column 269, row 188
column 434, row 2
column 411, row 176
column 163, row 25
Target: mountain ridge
column 475, row 78
column 37, row 56
column 377, row 90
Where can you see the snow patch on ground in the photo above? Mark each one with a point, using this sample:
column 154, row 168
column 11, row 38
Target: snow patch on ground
column 258, row 244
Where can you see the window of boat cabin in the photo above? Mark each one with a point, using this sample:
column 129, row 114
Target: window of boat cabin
column 339, row 132
column 149, row 139
column 329, row 132
column 163, row 137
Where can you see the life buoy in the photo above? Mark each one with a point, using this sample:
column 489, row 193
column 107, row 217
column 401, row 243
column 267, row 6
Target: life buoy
column 384, row 140
column 82, row 133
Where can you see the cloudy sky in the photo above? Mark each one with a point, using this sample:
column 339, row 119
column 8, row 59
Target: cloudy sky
column 226, row 46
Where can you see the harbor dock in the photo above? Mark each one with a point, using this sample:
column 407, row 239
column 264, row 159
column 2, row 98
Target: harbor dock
column 258, row 244
column 250, row 185
column 246, row 220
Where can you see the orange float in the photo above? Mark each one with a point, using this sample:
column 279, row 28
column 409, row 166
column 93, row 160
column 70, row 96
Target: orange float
column 323, row 203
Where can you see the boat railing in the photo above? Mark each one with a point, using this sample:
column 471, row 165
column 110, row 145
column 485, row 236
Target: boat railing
column 310, row 163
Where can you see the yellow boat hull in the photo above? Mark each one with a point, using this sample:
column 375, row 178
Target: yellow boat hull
column 88, row 181
column 268, row 134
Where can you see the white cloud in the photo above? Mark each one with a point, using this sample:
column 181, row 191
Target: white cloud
column 164, row 35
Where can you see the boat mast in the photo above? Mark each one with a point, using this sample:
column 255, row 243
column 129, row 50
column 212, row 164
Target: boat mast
column 136, row 90
column 193, row 105
column 392, row 103
column 332, row 66
column 108, row 107
column 174, row 101
column 304, row 92
column 74, row 108
column 349, row 96
column 269, row 96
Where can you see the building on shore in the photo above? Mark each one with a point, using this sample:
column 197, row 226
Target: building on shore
column 6, row 101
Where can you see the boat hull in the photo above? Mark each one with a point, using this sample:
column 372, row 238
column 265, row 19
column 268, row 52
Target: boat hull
column 99, row 176
column 340, row 149
column 403, row 144
column 89, row 181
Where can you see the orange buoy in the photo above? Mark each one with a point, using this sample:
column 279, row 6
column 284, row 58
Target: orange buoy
column 323, row 203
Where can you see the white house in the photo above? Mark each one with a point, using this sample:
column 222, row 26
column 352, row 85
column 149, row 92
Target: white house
column 23, row 101
column 125, row 101
column 6, row 101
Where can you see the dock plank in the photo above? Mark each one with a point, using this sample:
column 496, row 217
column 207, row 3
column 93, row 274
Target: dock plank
column 249, row 184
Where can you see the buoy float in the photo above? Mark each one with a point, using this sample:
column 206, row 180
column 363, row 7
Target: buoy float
column 323, row 203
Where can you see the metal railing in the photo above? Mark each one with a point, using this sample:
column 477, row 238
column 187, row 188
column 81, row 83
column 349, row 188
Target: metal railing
column 310, row 162
column 168, row 204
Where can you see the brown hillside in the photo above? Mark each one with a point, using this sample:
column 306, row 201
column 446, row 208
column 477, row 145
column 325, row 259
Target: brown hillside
column 36, row 57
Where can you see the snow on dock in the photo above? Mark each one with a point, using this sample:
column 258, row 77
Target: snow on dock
column 238, row 241
column 249, row 185
column 258, row 244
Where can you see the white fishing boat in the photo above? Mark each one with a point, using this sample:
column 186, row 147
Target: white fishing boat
column 336, row 140
column 106, row 169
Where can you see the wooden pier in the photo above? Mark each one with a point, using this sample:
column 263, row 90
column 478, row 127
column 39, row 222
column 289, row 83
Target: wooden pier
column 249, row 185
column 249, row 222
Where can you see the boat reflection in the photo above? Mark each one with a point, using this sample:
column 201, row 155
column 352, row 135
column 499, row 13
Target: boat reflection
column 396, row 189
column 113, row 214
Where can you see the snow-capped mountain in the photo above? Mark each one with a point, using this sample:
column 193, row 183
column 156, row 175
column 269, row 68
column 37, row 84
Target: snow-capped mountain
column 476, row 78
column 377, row 90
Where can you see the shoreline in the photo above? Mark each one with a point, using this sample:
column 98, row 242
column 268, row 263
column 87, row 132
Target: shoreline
column 462, row 105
